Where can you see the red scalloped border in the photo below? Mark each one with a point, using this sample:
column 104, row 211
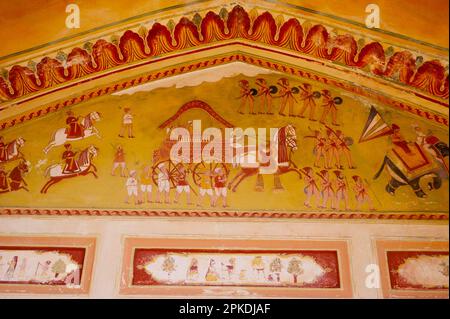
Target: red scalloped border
column 430, row 77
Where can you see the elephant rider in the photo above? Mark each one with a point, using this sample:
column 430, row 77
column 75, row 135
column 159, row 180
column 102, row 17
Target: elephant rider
column 69, row 156
column 2, row 149
column 398, row 139
column 74, row 129
column 3, row 178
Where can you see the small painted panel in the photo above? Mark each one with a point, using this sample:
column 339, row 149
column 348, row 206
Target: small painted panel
column 418, row 270
column 312, row 269
column 414, row 269
column 45, row 265
column 256, row 268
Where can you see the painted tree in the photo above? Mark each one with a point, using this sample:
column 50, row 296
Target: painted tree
column 59, row 267
column 295, row 268
column 168, row 265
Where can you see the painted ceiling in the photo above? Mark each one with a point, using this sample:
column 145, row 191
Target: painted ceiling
column 382, row 146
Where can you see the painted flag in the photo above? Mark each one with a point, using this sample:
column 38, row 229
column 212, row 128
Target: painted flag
column 375, row 127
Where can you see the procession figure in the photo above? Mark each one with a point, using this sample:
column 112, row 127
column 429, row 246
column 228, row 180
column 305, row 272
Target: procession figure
column 146, row 185
column 182, row 185
column 163, row 185
column 328, row 194
column 307, row 96
column 119, row 161
column 265, row 96
column 205, row 188
column 332, row 150
column 22, row 268
column 192, row 273
column 311, row 188
column 12, row 264
column 42, row 270
column 275, row 269
column 361, row 193
column 230, row 266
column 2, row 149
column 329, row 107
column 3, row 179
column 220, row 189
column 74, row 128
column 319, row 150
column 343, row 149
column 127, row 123
column 71, row 165
column 258, row 266
column 132, row 188
column 212, row 274
column 287, row 98
column 246, row 97
column 341, row 190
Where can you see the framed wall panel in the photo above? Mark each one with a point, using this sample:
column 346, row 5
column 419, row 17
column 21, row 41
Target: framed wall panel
column 413, row 269
column 238, row 268
column 48, row 265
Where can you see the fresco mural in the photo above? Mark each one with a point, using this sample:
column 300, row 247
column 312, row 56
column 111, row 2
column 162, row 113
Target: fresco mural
column 42, row 266
column 413, row 269
column 45, row 264
column 421, row 270
column 245, row 114
column 269, row 268
column 330, row 151
column 307, row 269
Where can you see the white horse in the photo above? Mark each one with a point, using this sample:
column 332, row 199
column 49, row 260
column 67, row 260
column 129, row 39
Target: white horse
column 60, row 136
column 250, row 156
column 277, row 159
column 13, row 149
column 84, row 161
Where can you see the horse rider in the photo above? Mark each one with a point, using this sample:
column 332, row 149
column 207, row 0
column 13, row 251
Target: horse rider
column 71, row 163
column 74, row 129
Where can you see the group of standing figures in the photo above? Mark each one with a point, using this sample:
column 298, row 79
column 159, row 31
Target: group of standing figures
column 210, row 184
column 331, row 149
column 283, row 90
column 332, row 193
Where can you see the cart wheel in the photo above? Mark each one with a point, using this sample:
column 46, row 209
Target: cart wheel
column 171, row 168
column 203, row 168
